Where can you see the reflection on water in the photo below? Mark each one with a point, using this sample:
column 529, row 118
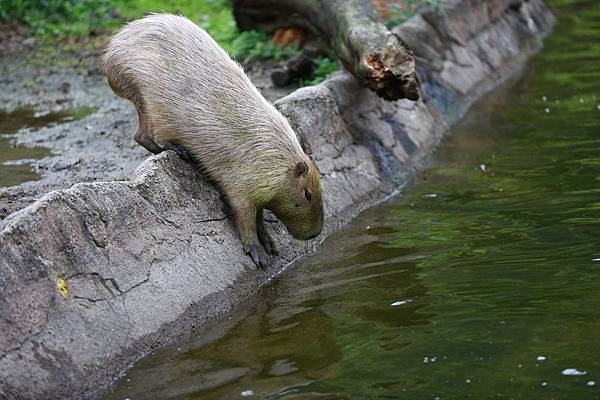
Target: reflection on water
column 482, row 281
column 14, row 165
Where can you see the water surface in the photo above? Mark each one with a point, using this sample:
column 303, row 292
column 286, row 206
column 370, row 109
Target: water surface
column 481, row 281
column 15, row 161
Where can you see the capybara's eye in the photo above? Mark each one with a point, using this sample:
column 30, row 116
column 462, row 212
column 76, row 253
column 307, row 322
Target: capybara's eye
column 307, row 194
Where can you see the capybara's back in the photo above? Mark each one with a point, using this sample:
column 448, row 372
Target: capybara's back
column 186, row 83
column 191, row 95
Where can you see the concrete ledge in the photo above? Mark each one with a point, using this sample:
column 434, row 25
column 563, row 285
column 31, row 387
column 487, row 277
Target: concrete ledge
column 96, row 276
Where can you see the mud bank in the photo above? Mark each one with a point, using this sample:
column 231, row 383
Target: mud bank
column 96, row 276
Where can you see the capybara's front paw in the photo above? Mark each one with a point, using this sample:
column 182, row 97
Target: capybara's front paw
column 181, row 152
column 258, row 254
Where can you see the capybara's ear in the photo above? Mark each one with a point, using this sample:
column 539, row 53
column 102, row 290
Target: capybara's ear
column 300, row 169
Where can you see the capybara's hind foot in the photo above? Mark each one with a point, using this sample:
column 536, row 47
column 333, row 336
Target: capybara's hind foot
column 258, row 254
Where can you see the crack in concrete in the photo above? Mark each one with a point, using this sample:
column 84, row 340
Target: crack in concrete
column 114, row 286
column 113, row 281
column 103, row 280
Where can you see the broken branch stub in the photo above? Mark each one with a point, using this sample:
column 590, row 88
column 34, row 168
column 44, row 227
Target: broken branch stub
column 366, row 48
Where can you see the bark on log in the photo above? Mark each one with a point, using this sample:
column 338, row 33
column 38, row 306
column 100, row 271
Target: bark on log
column 366, row 48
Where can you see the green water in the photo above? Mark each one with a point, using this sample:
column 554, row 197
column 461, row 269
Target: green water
column 481, row 281
column 26, row 117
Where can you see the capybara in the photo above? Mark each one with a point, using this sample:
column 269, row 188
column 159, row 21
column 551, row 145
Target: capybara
column 193, row 98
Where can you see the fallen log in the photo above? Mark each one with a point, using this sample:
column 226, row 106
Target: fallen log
column 377, row 57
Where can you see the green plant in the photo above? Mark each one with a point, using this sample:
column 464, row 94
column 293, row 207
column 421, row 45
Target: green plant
column 215, row 16
column 254, row 45
column 58, row 18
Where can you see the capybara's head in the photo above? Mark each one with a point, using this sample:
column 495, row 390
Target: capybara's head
column 299, row 205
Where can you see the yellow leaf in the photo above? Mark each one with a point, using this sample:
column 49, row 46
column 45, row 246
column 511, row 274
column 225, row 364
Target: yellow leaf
column 62, row 286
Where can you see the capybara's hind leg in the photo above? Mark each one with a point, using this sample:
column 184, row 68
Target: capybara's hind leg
column 143, row 134
column 263, row 235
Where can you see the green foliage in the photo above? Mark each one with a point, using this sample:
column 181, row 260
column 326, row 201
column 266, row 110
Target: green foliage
column 53, row 19
column 255, row 45
column 214, row 16
column 324, row 67
column 61, row 18
column 58, row 17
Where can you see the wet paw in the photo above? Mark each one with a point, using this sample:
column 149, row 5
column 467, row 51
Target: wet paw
column 258, row 255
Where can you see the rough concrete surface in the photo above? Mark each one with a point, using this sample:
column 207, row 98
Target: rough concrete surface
column 95, row 276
